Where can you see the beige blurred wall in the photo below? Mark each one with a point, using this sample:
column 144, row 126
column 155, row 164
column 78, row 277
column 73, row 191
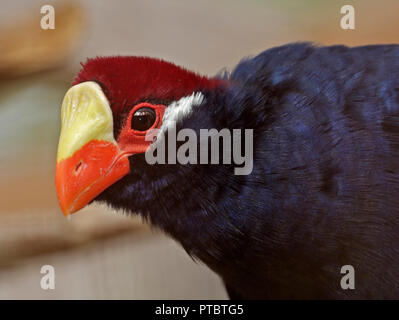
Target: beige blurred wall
column 208, row 35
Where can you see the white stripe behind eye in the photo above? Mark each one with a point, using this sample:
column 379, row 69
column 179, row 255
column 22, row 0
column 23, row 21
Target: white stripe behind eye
column 178, row 110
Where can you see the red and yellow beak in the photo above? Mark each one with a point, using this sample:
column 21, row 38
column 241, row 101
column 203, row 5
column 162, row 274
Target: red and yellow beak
column 88, row 160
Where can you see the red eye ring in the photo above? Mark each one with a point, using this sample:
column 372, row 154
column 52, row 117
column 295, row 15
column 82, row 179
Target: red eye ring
column 158, row 109
column 133, row 141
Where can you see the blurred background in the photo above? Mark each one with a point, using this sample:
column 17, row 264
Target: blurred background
column 100, row 254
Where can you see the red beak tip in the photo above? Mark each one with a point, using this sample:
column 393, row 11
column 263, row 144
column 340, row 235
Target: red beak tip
column 104, row 165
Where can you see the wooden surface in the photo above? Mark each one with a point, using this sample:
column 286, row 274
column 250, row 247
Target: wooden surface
column 129, row 267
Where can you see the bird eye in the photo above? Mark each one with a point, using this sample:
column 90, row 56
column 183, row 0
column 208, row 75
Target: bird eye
column 143, row 119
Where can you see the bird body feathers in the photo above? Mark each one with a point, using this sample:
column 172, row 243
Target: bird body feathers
column 324, row 185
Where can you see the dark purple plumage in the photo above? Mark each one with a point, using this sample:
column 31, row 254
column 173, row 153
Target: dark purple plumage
column 323, row 191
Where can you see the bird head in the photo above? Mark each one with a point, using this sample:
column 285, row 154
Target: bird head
column 106, row 115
